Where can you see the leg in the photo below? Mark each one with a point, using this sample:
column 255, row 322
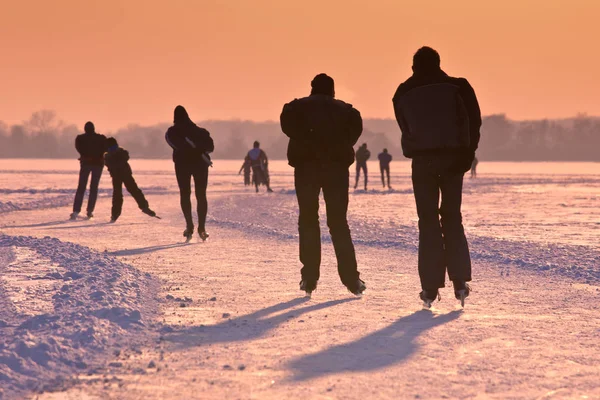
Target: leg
column 366, row 174
column 200, row 184
column 335, row 192
column 96, row 175
column 457, row 255
column 257, row 177
column 117, row 198
column 387, row 172
column 382, row 169
column 84, row 174
column 184, row 176
column 135, row 191
column 357, row 175
column 432, row 266
column 308, row 188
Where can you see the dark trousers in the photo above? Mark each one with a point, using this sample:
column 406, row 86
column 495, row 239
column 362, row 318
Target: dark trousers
column 84, row 174
column 132, row 188
column 334, row 180
column 359, row 167
column 184, row 173
column 385, row 170
column 442, row 241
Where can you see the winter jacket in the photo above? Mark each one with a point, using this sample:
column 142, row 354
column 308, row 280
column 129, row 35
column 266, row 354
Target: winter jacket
column 189, row 143
column 320, row 128
column 91, row 148
column 438, row 114
column 362, row 155
column 385, row 159
column 117, row 162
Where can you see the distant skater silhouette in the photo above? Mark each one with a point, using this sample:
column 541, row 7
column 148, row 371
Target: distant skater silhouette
column 440, row 120
column 191, row 147
column 362, row 155
column 247, row 168
column 385, row 159
column 322, row 132
column 260, row 167
column 474, row 167
column 117, row 162
column 91, row 147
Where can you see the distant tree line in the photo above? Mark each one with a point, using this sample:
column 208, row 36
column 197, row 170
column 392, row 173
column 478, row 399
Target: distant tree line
column 44, row 135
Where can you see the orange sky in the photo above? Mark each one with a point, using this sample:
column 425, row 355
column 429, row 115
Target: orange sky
column 116, row 62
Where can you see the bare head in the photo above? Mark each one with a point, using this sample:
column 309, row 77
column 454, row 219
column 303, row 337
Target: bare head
column 426, row 60
column 89, row 127
column 256, row 144
column 322, row 84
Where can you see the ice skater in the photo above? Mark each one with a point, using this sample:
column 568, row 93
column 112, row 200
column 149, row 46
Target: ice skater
column 247, row 168
column 91, row 147
column 260, row 167
column 385, row 159
column 117, row 163
column 474, row 167
column 322, row 132
column 362, row 155
column 427, row 103
column 191, row 147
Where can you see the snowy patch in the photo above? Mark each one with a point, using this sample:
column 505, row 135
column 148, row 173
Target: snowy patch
column 63, row 306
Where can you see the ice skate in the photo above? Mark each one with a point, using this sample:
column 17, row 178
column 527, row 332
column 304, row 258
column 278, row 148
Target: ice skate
column 308, row 287
column 90, row 215
column 203, row 235
column 188, row 233
column 113, row 219
column 149, row 212
column 73, row 216
column 461, row 291
column 358, row 288
column 429, row 297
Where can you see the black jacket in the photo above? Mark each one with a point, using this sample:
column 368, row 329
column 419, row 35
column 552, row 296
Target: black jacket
column 117, row 162
column 91, row 148
column 189, row 143
column 320, row 128
column 362, row 155
column 437, row 114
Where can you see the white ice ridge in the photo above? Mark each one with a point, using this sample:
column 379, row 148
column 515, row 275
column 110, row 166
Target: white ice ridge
column 62, row 308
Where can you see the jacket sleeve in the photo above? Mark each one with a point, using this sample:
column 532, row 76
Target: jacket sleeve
column 472, row 105
column 355, row 126
column 290, row 121
column 171, row 140
column 78, row 145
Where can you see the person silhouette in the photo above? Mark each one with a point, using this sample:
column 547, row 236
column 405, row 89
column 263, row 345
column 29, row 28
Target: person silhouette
column 91, row 147
column 362, row 155
column 322, row 133
column 428, row 103
column 260, row 166
column 385, row 159
column 474, row 167
column 191, row 147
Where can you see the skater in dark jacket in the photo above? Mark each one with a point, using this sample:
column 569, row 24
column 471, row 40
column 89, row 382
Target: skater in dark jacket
column 117, row 162
column 91, row 147
column 247, row 168
column 322, row 132
column 385, row 159
column 362, row 155
column 191, row 147
column 440, row 120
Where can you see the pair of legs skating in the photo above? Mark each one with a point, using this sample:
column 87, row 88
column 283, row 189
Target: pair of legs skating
column 260, row 176
column 442, row 242
column 134, row 190
column 333, row 179
column 385, row 171
column 84, row 174
column 185, row 172
column 359, row 167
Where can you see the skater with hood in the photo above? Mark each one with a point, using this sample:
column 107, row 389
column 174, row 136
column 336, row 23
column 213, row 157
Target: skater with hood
column 323, row 132
column 191, row 147
column 247, row 168
column 117, row 163
column 385, row 159
column 440, row 120
column 91, row 147
column 362, row 155
column 260, row 167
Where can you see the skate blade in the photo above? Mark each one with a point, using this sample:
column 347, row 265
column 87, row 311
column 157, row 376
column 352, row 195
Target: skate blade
column 188, row 239
column 307, row 295
column 461, row 297
column 157, row 217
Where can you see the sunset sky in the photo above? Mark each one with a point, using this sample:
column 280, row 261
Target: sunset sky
column 131, row 61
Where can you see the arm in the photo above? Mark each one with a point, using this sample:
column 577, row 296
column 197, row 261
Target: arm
column 355, row 126
column 290, row 121
column 78, row 144
column 472, row 105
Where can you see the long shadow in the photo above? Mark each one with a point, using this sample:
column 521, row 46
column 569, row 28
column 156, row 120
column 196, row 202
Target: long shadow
column 246, row 327
column 92, row 225
column 149, row 249
column 41, row 225
column 380, row 349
